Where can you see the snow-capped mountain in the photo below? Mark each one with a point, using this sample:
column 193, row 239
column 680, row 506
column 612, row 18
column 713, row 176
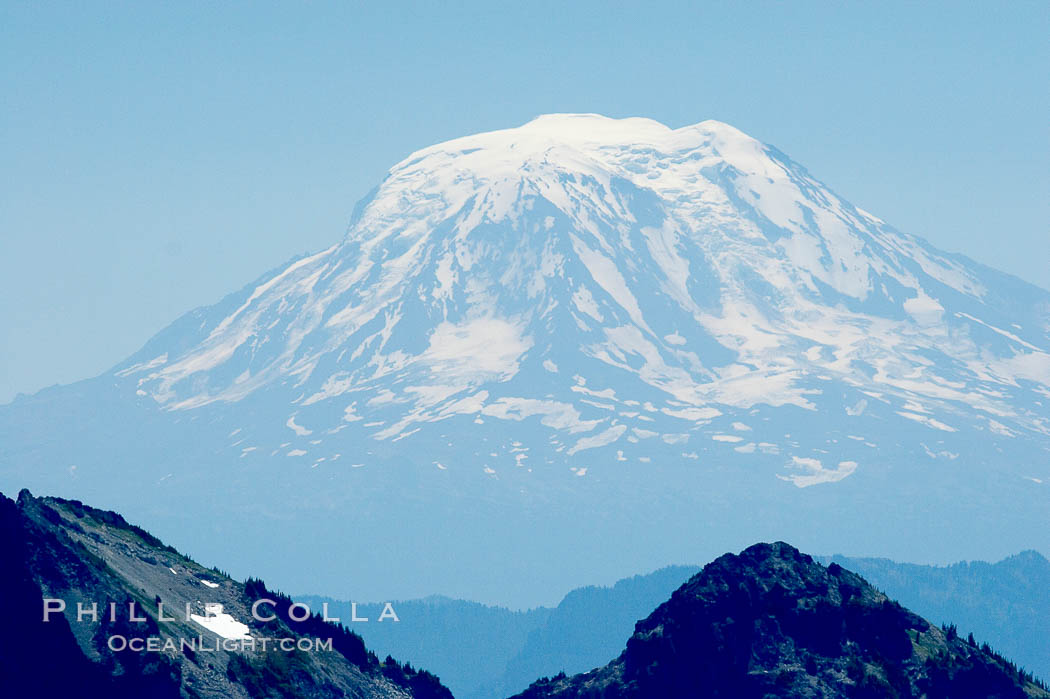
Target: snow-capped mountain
column 587, row 320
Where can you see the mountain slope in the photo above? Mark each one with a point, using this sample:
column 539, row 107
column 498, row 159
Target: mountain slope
column 455, row 277
column 86, row 560
column 588, row 627
column 1004, row 603
column 467, row 644
column 526, row 325
column 482, row 652
column 487, row 651
column 772, row 622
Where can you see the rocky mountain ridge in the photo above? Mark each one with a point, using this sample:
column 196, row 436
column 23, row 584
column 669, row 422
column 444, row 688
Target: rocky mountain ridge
column 773, row 622
column 91, row 606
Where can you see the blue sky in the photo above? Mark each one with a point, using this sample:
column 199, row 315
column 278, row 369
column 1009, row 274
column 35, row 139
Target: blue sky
column 155, row 157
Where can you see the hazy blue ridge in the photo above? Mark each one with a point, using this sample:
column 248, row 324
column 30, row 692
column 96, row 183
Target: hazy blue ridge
column 471, row 643
column 589, row 627
column 1004, row 604
column 483, row 651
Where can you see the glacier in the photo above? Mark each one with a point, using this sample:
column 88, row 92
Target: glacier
column 565, row 352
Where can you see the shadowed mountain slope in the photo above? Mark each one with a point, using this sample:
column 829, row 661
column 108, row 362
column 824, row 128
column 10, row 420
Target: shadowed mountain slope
column 1006, row 603
column 199, row 619
column 773, row 622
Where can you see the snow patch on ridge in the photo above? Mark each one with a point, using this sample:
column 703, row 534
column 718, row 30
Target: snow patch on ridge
column 221, row 624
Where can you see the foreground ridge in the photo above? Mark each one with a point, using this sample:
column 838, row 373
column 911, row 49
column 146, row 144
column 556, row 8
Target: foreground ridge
column 55, row 549
column 773, row 622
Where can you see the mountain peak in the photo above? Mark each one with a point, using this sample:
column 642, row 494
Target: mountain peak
column 550, row 136
column 593, row 126
column 583, row 309
column 690, row 258
column 773, row 622
column 601, row 128
column 590, row 128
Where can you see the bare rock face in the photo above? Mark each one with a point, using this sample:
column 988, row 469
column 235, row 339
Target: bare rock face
column 771, row 622
column 198, row 620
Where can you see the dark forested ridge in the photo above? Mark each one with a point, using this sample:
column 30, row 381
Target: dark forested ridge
column 1006, row 604
column 771, row 621
column 64, row 550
